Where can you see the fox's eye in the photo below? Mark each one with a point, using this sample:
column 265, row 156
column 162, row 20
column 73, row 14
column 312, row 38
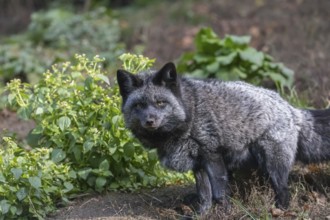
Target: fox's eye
column 161, row 104
column 138, row 105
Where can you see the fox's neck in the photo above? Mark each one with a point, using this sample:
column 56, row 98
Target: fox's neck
column 157, row 139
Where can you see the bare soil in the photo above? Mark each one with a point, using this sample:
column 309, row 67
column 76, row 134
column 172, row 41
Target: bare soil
column 252, row 198
column 295, row 32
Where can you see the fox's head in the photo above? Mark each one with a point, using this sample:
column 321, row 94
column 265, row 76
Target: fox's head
column 152, row 101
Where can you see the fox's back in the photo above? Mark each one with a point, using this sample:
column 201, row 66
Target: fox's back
column 238, row 112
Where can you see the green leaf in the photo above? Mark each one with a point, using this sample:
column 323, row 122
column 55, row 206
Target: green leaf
column 239, row 73
column 21, row 194
column 213, row 67
column 17, row 172
column 100, row 182
column 68, row 186
column 77, row 153
column 4, row 205
column 115, row 119
column 39, row 111
column 58, row 155
column 2, row 178
column 198, row 73
column 88, row 82
column 13, row 210
column 104, row 78
column 112, row 149
column 11, row 97
column 19, row 210
column 33, row 139
column 152, row 155
column 129, row 149
column 88, row 145
column 35, row 181
column 72, row 174
column 286, row 71
column 185, row 62
column 24, row 113
column 104, row 165
column 37, row 130
column 201, row 59
column 84, row 173
column 226, row 74
column 75, row 74
column 106, row 173
column 276, row 77
column 252, row 55
column 237, row 40
column 207, row 41
column 114, row 185
column 64, row 122
column 226, row 60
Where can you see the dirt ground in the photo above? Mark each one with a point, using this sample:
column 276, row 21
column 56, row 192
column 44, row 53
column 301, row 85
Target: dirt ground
column 251, row 198
column 295, row 32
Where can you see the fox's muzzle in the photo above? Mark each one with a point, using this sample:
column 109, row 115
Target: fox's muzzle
column 150, row 123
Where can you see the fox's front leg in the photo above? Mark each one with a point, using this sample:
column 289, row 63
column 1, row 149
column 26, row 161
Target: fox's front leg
column 204, row 191
column 218, row 177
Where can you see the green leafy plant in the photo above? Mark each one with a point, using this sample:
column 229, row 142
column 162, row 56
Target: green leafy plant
column 56, row 36
column 231, row 58
column 77, row 114
column 31, row 183
column 135, row 63
column 94, row 32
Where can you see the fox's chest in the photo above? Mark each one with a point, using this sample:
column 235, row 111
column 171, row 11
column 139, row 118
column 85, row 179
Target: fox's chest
column 179, row 155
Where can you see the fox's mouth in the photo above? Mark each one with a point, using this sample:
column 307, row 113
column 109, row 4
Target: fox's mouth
column 150, row 128
column 150, row 124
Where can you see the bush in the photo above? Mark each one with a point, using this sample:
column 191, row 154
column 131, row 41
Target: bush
column 31, row 183
column 55, row 36
column 90, row 33
column 78, row 115
column 232, row 58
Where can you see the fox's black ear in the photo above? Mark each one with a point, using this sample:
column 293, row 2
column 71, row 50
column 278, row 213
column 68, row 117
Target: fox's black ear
column 167, row 76
column 127, row 82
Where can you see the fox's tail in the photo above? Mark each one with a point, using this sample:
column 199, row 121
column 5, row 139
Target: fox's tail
column 314, row 137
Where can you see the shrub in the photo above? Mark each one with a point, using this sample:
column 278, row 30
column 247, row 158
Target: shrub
column 78, row 115
column 232, row 58
column 31, row 183
column 55, row 36
column 135, row 63
column 94, row 32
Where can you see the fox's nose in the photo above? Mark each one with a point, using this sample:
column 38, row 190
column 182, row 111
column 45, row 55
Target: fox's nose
column 150, row 122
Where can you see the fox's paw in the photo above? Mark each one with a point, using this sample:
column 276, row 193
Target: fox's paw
column 282, row 201
column 223, row 204
column 198, row 205
column 190, row 199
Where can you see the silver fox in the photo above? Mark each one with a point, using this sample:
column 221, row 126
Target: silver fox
column 213, row 127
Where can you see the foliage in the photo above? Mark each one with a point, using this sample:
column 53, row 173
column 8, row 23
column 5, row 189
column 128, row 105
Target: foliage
column 56, row 35
column 232, row 58
column 17, row 59
column 91, row 33
column 30, row 182
column 78, row 115
column 135, row 63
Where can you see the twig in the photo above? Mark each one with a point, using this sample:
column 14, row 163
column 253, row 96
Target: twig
column 153, row 197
